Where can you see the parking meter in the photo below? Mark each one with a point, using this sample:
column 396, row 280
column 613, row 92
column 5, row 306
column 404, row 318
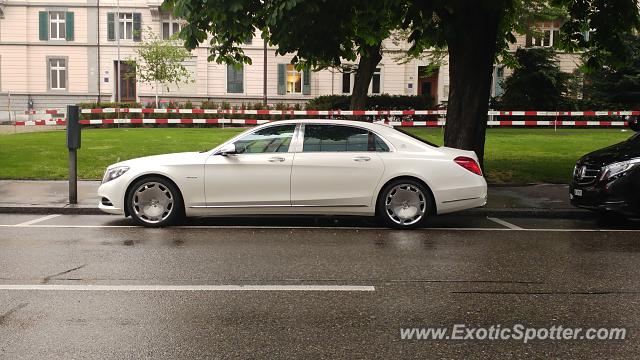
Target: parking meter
column 73, row 144
column 73, row 127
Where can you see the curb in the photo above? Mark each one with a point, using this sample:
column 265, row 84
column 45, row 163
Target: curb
column 66, row 210
column 506, row 212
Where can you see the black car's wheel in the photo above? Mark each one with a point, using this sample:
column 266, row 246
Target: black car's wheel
column 154, row 202
column 403, row 204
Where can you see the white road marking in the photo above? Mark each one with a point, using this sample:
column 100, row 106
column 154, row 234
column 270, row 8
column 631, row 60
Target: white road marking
column 188, row 287
column 504, row 223
column 35, row 221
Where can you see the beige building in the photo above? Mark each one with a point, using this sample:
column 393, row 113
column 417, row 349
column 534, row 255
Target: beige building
column 59, row 52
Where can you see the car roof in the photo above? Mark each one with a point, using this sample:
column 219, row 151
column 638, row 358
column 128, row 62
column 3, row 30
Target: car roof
column 363, row 124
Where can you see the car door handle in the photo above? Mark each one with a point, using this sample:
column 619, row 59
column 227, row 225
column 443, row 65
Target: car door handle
column 276, row 159
column 361, row 158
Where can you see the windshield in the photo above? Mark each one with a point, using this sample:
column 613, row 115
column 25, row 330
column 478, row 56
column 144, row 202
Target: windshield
column 413, row 136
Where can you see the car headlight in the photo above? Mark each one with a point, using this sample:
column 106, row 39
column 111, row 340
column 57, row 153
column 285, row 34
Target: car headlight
column 618, row 168
column 114, row 173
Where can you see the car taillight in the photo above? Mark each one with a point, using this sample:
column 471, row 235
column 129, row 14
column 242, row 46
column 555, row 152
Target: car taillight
column 469, row 164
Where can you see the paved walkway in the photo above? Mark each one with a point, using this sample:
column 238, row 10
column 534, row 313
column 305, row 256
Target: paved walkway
column 32, row 196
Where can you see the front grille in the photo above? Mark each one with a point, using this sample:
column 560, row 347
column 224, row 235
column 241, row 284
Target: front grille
column 586, row 174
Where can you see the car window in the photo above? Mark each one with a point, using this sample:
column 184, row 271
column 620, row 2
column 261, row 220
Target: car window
column 380, row 145
column 269, row 140
column 337, row 138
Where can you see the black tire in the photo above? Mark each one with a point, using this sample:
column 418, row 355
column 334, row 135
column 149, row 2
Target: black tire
column 386, row 215
column 168, row 193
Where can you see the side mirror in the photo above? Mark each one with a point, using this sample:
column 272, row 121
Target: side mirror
column 229, row 149
column 633, row 123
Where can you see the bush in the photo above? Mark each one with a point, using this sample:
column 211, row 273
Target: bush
column 374, row 102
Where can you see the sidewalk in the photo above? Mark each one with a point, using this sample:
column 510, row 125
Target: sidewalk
column 21, row 196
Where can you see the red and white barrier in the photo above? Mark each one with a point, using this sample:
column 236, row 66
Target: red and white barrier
column 350, row 112
column 380, row 113
column 266, row 112
column 215, row 121
column 42, row 112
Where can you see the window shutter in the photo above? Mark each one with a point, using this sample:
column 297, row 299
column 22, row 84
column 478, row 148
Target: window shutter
column 306, row 82
column 137, row 27
column 69, row 20
column 44, row 25
column 529, row 41
column 282, row 88
column 111, row 29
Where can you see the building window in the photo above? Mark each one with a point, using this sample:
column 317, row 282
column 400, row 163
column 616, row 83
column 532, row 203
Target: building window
column 57, row 74
column 346, row 82
column 170, row 26
column 126, row 26
column 549, row 34
column 375, row 82
column 294, row 80
column 348, row 79
column 498, row 78
column 57, row 25
column 235, row 80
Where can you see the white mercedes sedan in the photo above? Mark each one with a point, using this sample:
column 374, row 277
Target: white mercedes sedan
column 300, row 167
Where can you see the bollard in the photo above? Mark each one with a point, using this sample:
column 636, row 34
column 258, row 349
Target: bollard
column 73, row 144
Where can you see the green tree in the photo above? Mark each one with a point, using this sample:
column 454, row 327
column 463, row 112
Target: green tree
column 537, row 82
column 475, row 33
column 617, row 87
column 161, row 62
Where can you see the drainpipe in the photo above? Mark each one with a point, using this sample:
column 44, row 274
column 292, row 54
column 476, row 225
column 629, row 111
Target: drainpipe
column 98, row 47
column 264, row 73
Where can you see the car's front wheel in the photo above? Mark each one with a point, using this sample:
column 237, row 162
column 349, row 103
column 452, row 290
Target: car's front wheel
column 155, row 202
column 404, row 204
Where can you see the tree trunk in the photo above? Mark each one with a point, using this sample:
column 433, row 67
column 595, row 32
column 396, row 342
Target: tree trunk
column 156, row 94
column 366, row 67
column 472, row 50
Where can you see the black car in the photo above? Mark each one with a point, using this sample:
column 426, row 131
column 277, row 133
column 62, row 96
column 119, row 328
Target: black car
column 608, row 180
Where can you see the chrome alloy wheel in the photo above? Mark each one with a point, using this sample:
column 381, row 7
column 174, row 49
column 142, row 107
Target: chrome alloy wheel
column 152, row 202
column 405, row 204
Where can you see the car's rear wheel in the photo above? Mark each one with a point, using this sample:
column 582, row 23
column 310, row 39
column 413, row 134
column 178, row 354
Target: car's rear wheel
column 155, row 202
column 404, row 204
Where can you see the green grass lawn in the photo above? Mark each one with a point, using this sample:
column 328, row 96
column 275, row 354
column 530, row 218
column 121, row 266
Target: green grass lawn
column 512, row 155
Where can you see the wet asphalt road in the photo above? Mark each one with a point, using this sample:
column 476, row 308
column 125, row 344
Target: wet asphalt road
column 463, row 270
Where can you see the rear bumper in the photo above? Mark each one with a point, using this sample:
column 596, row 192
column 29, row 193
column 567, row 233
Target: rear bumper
column 463, row 198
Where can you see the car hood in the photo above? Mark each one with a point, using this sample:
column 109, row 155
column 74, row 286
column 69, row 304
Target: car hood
column 625, row 150
column 182, row 158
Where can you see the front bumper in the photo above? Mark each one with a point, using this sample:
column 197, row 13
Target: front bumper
column 619, row 196
column 111, row 196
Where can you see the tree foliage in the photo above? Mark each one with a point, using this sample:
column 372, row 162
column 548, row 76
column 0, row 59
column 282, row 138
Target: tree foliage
column 537, row 83
column 617, row 86
column 326, row 32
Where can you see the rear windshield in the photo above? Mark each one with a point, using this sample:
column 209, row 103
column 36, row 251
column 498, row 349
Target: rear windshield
column 415, row 137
